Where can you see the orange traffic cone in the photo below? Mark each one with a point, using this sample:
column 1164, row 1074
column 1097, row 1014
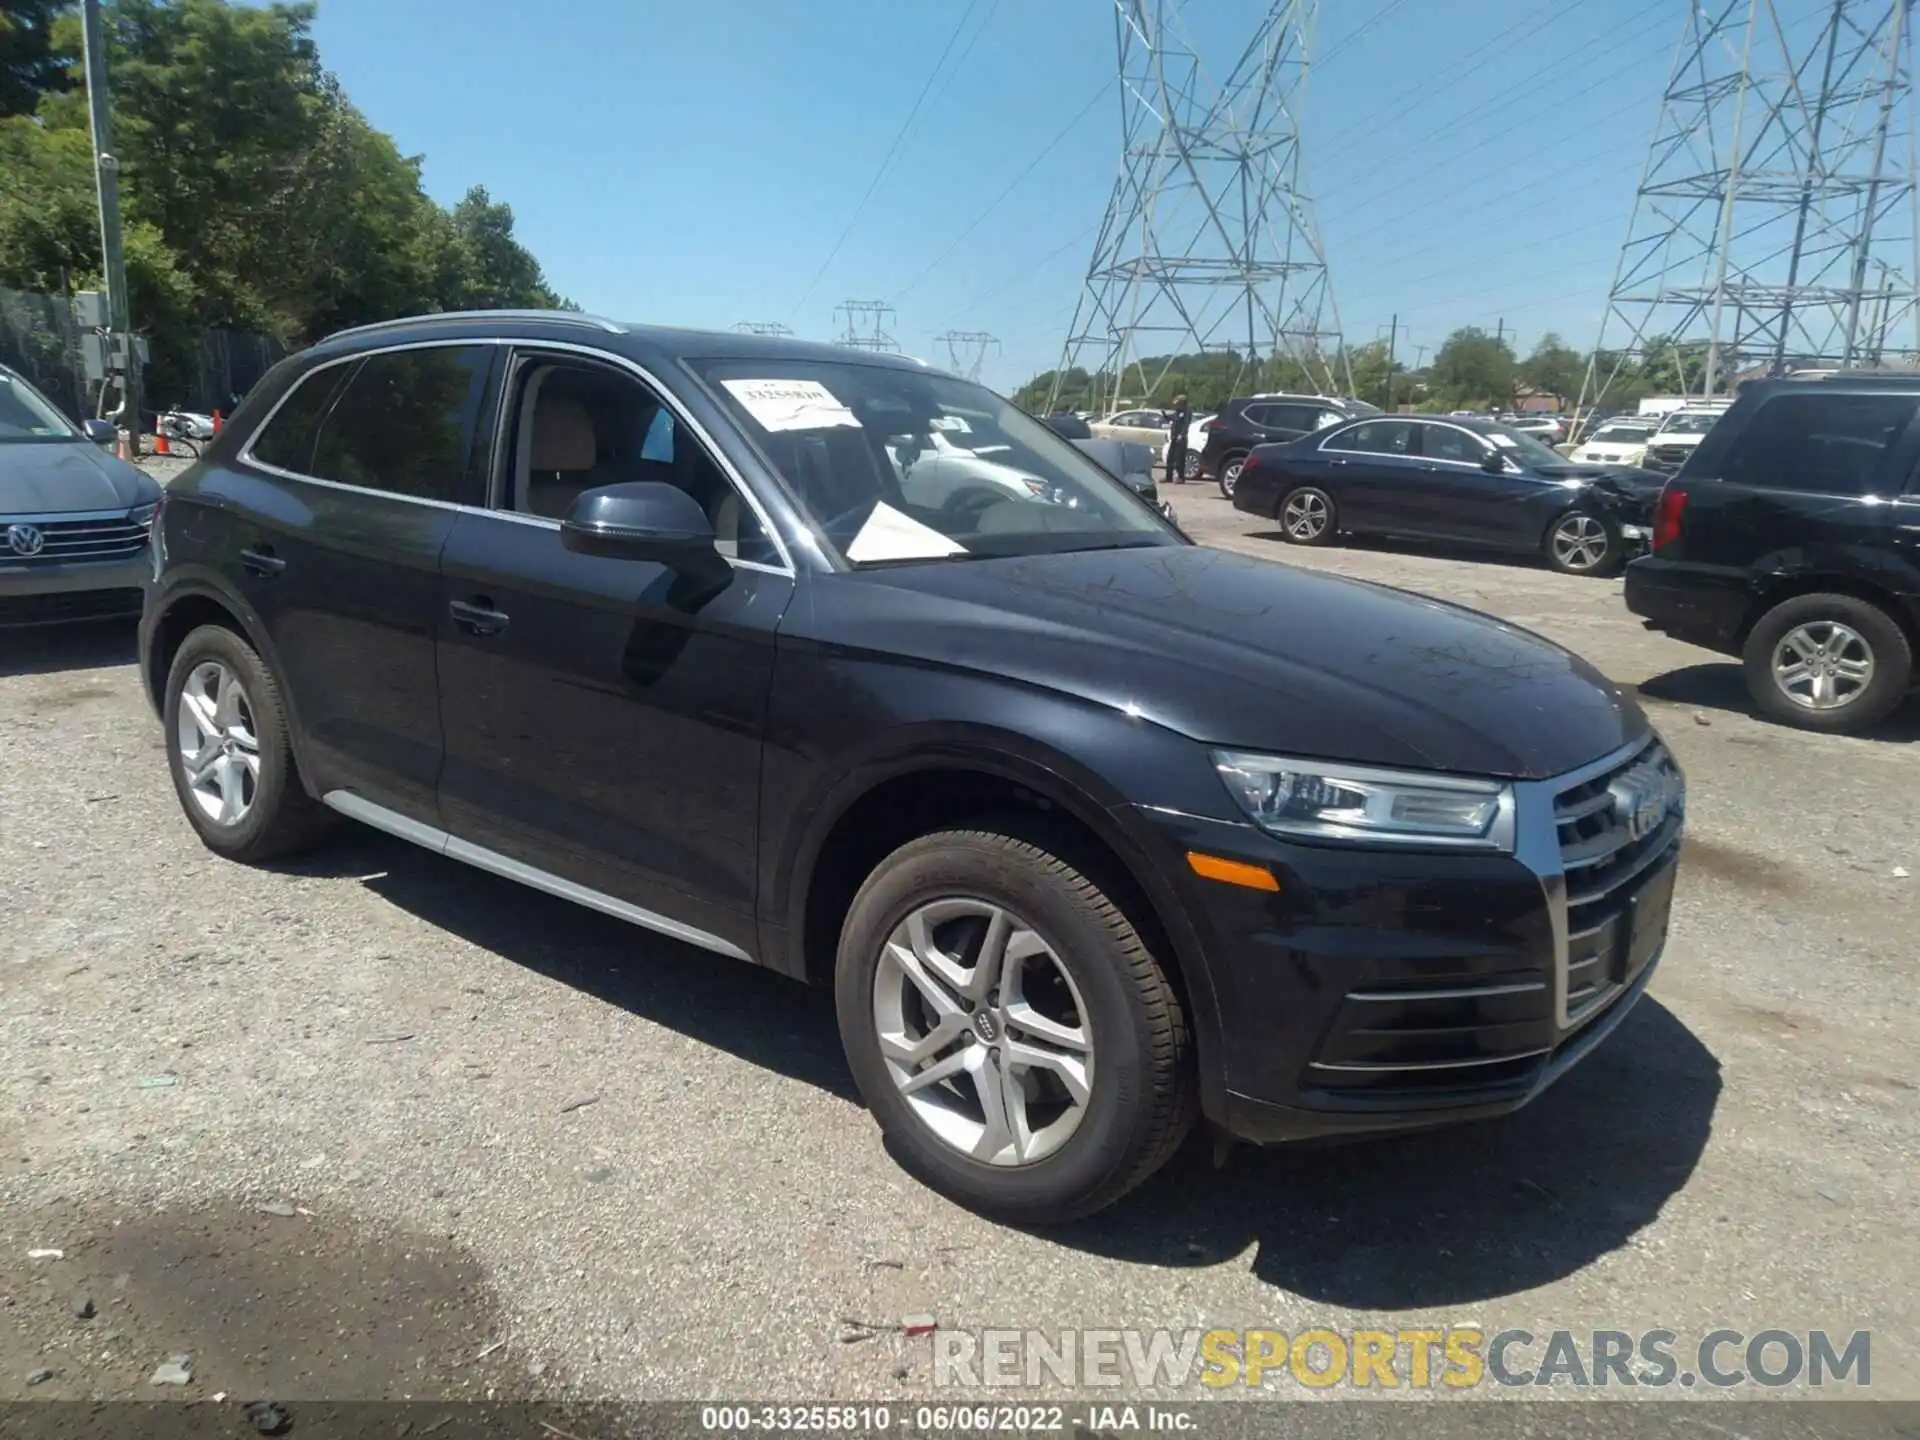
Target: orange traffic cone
column 217, row 422
column 160, row 446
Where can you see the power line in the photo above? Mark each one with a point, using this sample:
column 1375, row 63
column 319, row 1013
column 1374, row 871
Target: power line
column 1012, row 185
column 892, row 150
column 1346, row 41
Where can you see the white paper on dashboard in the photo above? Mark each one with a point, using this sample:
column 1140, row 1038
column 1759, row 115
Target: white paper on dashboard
column 791, row 404
column 889, row 535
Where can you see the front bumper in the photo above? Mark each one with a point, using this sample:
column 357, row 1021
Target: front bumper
column 47, row 594
column 1381, row 990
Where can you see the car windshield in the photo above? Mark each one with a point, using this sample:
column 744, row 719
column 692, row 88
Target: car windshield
column 1619, row 435
column 1688, row 424
column 27, row 416
column 1522, row 447
column 895, row 466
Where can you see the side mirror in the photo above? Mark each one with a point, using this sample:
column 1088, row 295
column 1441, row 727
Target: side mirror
column 641, row 520
column 100, row 432
column 1493, row 462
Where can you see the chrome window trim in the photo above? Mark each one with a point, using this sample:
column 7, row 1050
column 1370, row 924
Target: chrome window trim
column 442, row 842
column 247, row 457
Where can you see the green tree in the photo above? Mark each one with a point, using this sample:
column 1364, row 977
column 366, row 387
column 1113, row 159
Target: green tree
column 500, row 273
column 1472, row 370
column 1554, row 368
column 1376, row 375
column 32, row 62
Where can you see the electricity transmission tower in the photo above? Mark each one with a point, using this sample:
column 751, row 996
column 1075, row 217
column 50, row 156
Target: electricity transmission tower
column 1208, row 238
column 1774, row 224
column 867, row 322
column 973, row 345
column 762, row 327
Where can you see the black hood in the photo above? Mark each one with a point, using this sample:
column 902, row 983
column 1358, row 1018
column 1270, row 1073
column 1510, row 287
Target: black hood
column 68, row 477
column 1250, row 654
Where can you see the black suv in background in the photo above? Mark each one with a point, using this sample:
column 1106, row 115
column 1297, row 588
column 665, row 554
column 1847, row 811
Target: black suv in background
column 1268, row 420
column 844, row 666
column 1791, row 538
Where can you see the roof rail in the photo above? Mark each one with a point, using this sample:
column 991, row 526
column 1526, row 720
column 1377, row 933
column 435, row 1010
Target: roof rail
column 561, row 317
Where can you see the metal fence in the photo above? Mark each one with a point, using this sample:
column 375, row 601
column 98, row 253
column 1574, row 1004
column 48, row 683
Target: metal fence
column 40, row 339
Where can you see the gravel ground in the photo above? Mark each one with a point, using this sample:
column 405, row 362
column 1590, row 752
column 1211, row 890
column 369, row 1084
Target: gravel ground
column 376, row 1125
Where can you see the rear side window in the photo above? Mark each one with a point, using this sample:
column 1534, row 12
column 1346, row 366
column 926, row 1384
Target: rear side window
column 286, row 442
column 1376, row 437
column 1823, row 444
column 405, row 424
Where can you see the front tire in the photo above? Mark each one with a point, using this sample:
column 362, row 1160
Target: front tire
column 1306, row 516
column 1580, row 542
column 229, row 752
column 1022, row 1049
column 1827, row 662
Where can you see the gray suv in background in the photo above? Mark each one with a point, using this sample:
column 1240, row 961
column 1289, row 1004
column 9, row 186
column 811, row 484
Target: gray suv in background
column 74, row 520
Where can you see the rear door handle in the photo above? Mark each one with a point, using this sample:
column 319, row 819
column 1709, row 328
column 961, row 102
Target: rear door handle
column 262, row 561
column 478, row 617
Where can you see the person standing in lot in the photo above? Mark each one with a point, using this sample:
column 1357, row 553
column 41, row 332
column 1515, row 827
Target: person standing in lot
column 1177, row 441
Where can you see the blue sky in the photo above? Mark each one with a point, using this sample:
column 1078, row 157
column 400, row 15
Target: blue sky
column 697, row 161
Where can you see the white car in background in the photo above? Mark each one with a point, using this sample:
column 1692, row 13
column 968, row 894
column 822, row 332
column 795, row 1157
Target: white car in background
column 1678, row 437
column 950, row 468
column 1143, row 427
column 1618, row 442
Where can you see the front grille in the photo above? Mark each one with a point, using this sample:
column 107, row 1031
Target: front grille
column 1476, row 1026
column 104, row 539
column 69, row 605
column 1667, row 457
column 1619, row 834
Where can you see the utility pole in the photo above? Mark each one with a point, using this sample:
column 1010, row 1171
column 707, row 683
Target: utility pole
column 1393, row 337
column 967, row 350
column 1500, row 331
column 122, row 360
column 762, row 327
column 866, row 325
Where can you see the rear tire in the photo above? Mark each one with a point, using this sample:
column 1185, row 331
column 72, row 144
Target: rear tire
column 1073, row 961
column 1307, row 516
column 1827, row 662
column 229, row 752
column 1230, row 473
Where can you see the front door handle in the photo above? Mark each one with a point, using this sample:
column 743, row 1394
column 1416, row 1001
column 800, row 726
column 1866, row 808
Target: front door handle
column 478, row 617
column 261, row 560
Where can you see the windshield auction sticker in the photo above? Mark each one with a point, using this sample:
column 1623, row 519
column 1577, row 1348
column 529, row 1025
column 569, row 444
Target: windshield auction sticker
column 791, row 404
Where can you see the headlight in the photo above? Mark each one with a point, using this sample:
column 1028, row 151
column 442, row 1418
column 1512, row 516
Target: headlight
column 1326, row 800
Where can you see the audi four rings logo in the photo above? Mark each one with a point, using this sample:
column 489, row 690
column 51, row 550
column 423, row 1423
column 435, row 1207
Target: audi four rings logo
column 25, row 539
column 1644, row 798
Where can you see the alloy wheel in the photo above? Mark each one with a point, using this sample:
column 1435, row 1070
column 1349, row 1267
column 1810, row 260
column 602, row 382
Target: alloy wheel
column 1190, row 467
column 1305, row 516
column 1230, row 477
column 983, row 1031
column 219, row 748
column 1580, row 542
column 1822, row 664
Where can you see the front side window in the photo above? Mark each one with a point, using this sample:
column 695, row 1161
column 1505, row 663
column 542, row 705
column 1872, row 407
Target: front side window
column 27, row 416
column 576, row 427
column 895, row 466
column 1375, row 437
column 1827, row 444
column 1444, row 442
column 405, row 423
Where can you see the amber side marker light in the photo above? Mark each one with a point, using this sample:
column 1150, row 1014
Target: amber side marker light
column 1233, row 872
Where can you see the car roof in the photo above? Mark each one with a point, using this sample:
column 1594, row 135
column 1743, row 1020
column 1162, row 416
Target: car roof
column 638, row 340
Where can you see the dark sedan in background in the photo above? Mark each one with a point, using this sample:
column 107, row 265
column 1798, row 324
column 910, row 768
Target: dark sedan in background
column 73, row 519
column 1469, row 482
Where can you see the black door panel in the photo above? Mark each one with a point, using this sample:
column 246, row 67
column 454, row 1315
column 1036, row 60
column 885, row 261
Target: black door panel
column 603, row 717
